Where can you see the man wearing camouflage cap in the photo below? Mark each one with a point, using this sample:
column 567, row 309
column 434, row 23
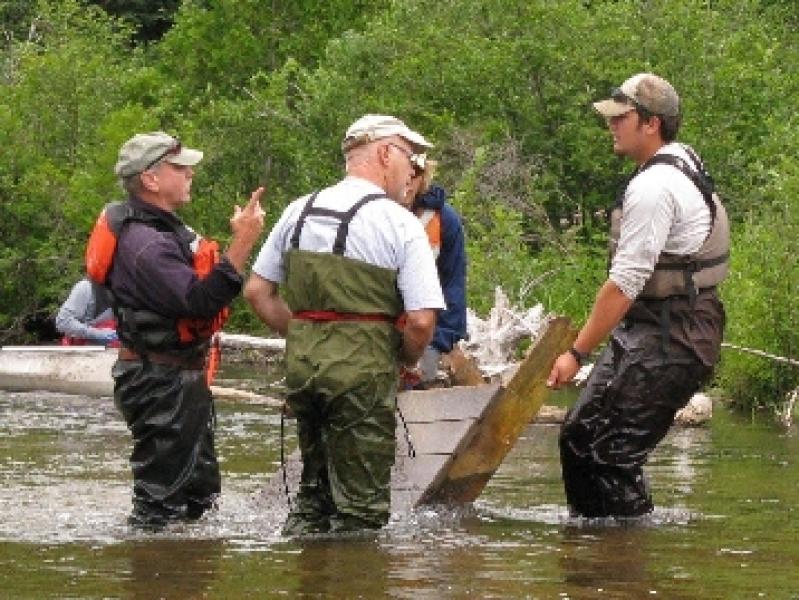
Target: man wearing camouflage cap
column 171, row 291
column 669, row 249
column 350, row 261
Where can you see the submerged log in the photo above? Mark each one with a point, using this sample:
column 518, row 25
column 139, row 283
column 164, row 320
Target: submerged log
column 696, row 413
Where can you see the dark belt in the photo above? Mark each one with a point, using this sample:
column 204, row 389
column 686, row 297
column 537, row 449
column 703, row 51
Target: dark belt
column 161, row 358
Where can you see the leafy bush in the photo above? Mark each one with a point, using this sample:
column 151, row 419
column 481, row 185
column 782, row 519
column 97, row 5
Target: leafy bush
column 761, row 294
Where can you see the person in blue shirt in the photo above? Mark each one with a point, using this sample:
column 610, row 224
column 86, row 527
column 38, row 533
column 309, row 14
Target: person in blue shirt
column 445, row 232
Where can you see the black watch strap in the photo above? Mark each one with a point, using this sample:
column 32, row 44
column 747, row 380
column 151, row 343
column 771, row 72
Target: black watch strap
column 580, row 357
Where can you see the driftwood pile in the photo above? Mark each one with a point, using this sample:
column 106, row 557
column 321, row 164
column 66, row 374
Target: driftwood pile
column 494, row 342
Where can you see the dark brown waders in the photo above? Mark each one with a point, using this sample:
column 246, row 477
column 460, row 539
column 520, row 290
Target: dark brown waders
column 636, row 386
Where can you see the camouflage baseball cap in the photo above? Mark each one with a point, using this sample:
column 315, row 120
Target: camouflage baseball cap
column 644, row 90
column 145, row 150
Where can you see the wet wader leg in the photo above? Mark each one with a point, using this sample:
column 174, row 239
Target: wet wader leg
column 206, row 482
column 577, row 433
column 618, row 422
column 167, row 411
column 361, row 447
column 313, row 505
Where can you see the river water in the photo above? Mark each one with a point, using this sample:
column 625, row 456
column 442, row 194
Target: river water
column 726, row 523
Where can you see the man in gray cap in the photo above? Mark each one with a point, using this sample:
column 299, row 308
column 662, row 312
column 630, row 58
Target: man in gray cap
column 351, row 261
column 669, row 248
column 171, row 291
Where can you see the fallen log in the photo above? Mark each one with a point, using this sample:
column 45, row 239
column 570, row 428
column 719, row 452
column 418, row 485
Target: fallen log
column 246, row 342
column 226, row 393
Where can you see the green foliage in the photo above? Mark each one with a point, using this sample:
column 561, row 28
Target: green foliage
column 761, row 294
column 267, row 89
column 215, row 48
column 16, row 18
column 62, row 84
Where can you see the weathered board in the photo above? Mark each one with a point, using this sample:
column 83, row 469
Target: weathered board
column 431, row 426
column 450, row 441
column 505, row 416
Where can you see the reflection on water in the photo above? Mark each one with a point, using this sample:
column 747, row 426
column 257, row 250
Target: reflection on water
column 171, row 568
column 725, row 526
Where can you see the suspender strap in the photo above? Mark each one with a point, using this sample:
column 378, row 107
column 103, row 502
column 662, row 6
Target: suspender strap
column 295, row 236
column 344, row 216
column 698, row 176
column 341, row 235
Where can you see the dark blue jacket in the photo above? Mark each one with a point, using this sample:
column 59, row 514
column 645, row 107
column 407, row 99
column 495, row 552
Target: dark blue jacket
column 151, row 271
column 451, row 263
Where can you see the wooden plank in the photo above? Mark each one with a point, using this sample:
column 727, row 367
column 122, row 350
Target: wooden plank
column 507, row 414
column 410, row 477
column 437, row 422
column 414, row 472
column 403, row 501
column 430, row 406
column 438, row 438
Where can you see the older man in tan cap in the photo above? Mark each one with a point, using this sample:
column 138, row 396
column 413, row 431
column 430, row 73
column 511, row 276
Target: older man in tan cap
column 171, row 293
column 669, row 243
column 351, row 260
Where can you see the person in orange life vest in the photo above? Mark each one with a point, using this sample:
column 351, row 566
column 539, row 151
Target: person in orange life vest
column 445, row 231
column 86, row 316
column 171, row 291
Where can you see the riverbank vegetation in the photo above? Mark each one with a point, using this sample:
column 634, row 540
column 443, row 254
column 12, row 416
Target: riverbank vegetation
column 502, row 87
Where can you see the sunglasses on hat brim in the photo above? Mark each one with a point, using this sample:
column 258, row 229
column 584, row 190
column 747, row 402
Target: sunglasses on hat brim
column 617, row 95
column 418, row 161
column 173, row 150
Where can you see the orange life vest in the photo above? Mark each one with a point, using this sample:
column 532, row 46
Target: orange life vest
column 101, row 249
column 431, row 219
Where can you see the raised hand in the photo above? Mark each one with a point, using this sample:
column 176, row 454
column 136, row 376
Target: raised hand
column 249, row 221
column 246, row 224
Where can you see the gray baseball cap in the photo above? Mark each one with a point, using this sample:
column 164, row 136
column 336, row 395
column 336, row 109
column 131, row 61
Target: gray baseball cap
column 145, row 150
column 374, row 127
column 644, row 90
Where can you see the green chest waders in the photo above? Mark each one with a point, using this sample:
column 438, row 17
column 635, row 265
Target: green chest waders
column 341, row 353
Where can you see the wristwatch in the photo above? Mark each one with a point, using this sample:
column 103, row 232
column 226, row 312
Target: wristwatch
column 580, row 357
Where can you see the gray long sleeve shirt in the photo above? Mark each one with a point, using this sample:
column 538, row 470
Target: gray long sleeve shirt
column 79, row 313
column 663, row 211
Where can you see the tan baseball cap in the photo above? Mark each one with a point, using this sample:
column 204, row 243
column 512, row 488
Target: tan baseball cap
column 644, row 90
column 374, row 127
column 145, row 150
